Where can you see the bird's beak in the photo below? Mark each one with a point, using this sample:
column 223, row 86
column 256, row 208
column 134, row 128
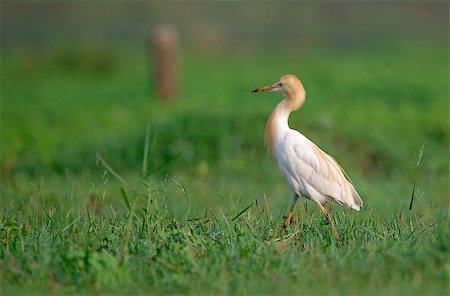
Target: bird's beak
column 275, row 87
column 264, row 88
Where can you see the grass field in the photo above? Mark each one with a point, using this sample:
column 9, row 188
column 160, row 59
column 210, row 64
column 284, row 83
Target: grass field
column 105, row 190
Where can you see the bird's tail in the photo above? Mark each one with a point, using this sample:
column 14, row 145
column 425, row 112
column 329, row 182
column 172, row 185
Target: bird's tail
column 356, row 202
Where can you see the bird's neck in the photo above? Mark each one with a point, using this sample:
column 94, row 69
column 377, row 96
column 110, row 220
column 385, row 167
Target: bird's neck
column 278, row 120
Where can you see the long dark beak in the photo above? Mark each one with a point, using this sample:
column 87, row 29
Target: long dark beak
column 264, row 88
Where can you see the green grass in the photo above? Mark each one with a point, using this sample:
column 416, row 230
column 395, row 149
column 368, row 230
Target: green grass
column 144, row 247
column 75, row 119
column 101, row 249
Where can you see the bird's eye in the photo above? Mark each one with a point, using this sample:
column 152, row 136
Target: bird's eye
column 280, row 84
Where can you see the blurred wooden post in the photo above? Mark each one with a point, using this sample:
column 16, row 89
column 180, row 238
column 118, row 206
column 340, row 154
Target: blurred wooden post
column 166, row 62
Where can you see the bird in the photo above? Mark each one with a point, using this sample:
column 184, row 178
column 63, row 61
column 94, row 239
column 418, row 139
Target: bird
column 309, row 171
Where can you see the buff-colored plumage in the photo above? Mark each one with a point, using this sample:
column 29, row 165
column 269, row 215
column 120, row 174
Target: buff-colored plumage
column 309, row 172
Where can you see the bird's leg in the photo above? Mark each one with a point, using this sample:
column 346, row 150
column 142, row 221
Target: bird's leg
column 289, row 216
column 324, row 211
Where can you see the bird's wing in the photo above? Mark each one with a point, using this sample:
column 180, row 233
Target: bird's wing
column 307, row 162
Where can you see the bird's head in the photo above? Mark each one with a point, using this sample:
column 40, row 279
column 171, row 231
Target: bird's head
column 288, row 84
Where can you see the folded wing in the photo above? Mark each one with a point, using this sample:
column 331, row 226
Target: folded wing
column 308, row 163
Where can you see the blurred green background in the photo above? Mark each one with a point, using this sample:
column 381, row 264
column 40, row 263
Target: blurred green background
column 77, row 80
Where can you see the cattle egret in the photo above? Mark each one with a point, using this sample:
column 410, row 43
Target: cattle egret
column 309, row 172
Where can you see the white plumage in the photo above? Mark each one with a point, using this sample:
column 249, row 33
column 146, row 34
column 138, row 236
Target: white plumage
column 309, row 172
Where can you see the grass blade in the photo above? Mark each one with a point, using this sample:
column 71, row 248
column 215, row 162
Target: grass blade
column 241, row 212
column 110, row 169
column 125, row 198
column 146, row 147
column 419, row 158
column 412, row 196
